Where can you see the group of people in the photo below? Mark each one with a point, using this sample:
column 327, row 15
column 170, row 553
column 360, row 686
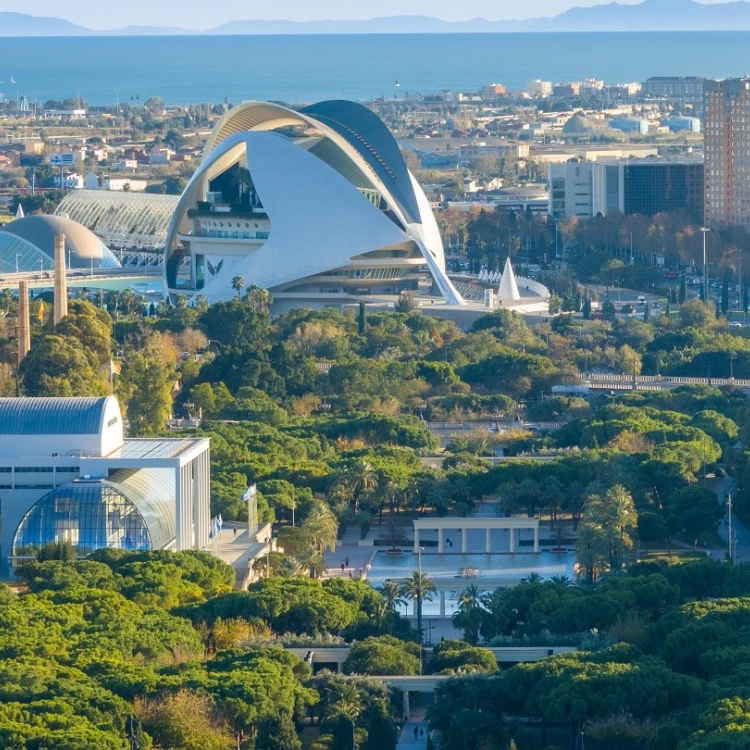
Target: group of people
column 418, row 733
column 345, row 564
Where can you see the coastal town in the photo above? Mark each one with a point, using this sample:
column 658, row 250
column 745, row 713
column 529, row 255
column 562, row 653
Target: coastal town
column 415, row 422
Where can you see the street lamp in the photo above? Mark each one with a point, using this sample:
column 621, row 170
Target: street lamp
column 705, row 265
column 18, row 255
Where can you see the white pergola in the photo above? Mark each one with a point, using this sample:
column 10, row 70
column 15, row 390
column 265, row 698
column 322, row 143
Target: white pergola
column 512, row 525
column 190, row 459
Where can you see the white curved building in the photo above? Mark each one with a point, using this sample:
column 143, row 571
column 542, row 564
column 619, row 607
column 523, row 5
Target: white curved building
column 315, row 205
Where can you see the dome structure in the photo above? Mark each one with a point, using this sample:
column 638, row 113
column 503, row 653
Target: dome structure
column 132, row 509
column 314, row 205
column 580, row 125
column 34, row 238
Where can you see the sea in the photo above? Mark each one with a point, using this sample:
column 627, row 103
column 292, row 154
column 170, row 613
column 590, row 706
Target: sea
column 303, row 69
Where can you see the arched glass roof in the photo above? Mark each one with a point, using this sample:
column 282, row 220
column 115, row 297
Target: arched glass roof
column 16, row 254
column 133, row 509
column 120, row 219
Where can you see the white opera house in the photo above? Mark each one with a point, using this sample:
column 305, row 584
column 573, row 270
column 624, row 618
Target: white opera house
column 315, row 205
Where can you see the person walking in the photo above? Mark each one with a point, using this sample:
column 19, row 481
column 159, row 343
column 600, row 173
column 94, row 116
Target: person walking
column 343, row 567
column 416, row 734
column 346, row 560
column 421, row 733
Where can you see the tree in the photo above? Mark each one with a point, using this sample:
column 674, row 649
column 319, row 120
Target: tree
column 345, row 704
column 457, row 657
column 146, row 385
column 695, row 314
column 419, row 587
column 186, row 720
column 322, row 528
column 384, row 655
column 58, row 366
column 391, row 593
column 238, row 284
column 683, row 289
column 175, row 185
column 469, row 614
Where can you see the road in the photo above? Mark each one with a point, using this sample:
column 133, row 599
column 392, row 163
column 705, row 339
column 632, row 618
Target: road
column 742, row 534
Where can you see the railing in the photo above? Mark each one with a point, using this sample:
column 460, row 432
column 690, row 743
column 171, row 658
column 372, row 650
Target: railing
column 603, row 380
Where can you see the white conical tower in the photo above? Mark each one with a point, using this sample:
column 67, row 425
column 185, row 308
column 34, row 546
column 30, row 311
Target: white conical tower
column 508, row 289
column 19, row 212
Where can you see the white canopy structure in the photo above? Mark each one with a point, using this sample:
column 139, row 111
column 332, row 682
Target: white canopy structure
column 120, row 219
column 508, row 289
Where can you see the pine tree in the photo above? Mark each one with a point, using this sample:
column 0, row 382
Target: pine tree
column 683, row 289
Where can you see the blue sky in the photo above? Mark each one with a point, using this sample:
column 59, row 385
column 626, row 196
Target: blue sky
column 200, row 14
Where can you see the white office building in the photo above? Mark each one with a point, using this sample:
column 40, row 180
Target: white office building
column 68, row 475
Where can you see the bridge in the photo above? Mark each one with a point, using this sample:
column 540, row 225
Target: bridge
column 612, row 382
column 336, row 656
column 97, row 278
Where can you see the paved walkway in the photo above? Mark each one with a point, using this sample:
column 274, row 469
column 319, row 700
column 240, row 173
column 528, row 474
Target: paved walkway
column 407, row 741
column 348, row 549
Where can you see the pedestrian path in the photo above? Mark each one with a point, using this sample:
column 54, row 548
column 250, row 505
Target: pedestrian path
column 408, row 741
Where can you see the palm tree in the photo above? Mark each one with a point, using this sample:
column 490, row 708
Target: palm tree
column 458, row 444
column 313, row 562
column 346, row 704
column 620, row 520
column 322, row 527
column 419, row 587
column 238, row 284
column 561, row 580
column 532, row 578
column 363, row 479
column 468, row 617
column 259, row 299
column 391, row 593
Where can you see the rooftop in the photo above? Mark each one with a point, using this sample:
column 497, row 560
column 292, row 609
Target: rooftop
column 51, row 416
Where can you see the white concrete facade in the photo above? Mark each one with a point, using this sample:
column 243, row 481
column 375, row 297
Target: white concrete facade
column 463, row 525
column 330, row 214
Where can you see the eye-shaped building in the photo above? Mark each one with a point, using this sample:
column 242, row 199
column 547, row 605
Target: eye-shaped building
column 315, row 205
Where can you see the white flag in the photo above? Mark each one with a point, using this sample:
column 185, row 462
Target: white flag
column 250, row 492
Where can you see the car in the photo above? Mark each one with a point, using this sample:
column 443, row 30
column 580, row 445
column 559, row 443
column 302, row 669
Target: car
column 735, row 324
column 641, row 300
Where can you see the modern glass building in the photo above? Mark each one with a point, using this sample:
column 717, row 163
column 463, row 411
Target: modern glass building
column 68, row 475
column 131, row 510
column 663, row 187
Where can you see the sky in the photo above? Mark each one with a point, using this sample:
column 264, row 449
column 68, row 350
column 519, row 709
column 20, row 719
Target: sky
column 198, row 14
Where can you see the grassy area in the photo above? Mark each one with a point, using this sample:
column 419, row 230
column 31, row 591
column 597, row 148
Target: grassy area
column 676, row 557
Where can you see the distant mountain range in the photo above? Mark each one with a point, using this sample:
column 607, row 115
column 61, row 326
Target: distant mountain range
column 650, row 15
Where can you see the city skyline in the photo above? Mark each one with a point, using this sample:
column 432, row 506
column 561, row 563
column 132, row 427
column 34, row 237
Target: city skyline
column 198, row 16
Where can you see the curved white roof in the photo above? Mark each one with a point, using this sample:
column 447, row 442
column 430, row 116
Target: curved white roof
column 309, row 175
column 81, row 245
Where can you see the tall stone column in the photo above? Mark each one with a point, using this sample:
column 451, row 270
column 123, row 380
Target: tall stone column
column 487, row 541
column 464, row 545
column 512, row 533
column 24, row 321
column 536, row 539
column 61, row 280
